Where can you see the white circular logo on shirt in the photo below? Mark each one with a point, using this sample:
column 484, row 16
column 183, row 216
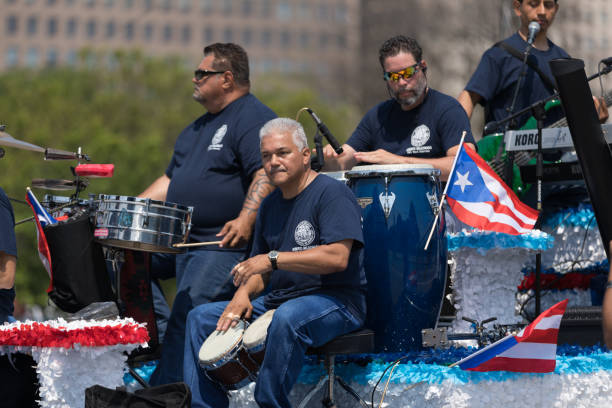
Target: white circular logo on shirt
column 304, row 233
column 420, row 136
column 218, row 137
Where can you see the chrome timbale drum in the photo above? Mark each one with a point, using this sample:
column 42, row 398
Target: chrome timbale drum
column 141, row 224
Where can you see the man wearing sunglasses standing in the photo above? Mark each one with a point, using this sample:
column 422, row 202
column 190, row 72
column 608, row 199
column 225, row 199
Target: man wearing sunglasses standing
column 418, row 125
column 216, row 168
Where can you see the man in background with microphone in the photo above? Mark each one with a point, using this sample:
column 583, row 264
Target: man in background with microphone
column 493, row 83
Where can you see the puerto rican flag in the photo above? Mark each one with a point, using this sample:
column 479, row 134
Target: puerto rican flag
column 42, row 218
column 479, row 198
column 533, row 350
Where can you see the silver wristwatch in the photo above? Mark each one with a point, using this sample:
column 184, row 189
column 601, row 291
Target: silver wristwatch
column 273, row 257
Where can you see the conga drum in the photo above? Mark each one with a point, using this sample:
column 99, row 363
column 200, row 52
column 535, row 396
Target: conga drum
column 405, row 282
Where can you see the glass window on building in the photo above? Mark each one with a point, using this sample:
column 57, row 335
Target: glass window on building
column 90, row 28
column 109, row 3
column 266, row 38
column 266, row 8
column 227, row 7
column 148, row 5
column 51, row 59
column 71, row 27
column 228, row 35
column 283, row 11
column 285, row 39
column 128, row 4
column 341, row 13
column 208, row 35
column 71, row 57
column 167, row 33
column 109, row 31
column 28, row 2
column 90, row 3
column 51, row 2
column 32, row 58
column 70, row 2
column 341, row 41
column 323, row 11
column 166, row 5
column 52, row 27
column 11, row 58
column 323, row 40
column 32, row 25
column 303, row 10
column 304, row 39
column 247, row 7
column 206, row 6
column 186, row 34
column 129, row 30
column 148, row 31
column 247, row 36
column 185, row 6
column 12, row 25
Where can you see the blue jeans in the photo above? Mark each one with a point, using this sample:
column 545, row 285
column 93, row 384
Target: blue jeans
column 298, row 324
column 202, row 276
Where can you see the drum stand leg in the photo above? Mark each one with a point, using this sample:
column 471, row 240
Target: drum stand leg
column 330, row 378
column 116, row 257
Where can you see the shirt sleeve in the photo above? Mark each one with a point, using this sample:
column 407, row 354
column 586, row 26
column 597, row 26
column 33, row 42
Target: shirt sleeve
column 339, row 215
column 451, row 126
column 485, row 80
column 246, row 149
column 361, row 138
column 8, row 243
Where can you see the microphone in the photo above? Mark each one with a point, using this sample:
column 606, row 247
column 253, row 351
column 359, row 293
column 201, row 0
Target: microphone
column 325, row 132
column 607, row 61
column 534, row 29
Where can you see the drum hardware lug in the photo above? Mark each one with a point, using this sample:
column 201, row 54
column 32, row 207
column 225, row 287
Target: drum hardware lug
column 433, row 203
column 145, row 220
column 386, row 199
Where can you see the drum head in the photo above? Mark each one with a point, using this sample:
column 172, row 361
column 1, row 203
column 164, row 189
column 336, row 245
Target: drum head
column 218, row 344
column 258, row 330
column 336, row 175
column 378, row 170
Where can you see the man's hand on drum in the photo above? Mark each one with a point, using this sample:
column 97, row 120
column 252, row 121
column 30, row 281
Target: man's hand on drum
column 239, row 307
column 259, row 264
column 379, row 156
column 236, row 232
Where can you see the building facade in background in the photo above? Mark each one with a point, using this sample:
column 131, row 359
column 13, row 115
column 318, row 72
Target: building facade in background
column 333, row 42
column 318, row 38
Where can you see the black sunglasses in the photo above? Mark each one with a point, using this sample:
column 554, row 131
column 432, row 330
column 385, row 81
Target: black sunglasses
column 202, row 73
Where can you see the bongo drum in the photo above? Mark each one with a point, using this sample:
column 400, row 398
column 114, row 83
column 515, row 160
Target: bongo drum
column 255, row 337
column 225, row 359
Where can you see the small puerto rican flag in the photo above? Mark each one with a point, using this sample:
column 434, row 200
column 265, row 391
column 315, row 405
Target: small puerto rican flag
column 533, row 350
column 41, row 218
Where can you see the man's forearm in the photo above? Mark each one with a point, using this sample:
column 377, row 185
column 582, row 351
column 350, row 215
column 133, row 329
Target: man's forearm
column 258, row 190
column 8, row 266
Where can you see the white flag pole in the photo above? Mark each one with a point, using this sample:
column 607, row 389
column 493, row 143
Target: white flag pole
column 450, row 176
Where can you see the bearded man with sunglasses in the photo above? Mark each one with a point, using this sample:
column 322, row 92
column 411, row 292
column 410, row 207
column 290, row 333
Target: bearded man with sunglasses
column 216, row 168
column 418, row 125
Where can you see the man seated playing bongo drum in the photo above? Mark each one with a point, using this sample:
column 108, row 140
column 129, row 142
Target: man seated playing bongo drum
column 307, row 256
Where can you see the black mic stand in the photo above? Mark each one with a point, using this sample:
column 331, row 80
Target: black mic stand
column 511, row 124
column 539, row 112
column 317, row 163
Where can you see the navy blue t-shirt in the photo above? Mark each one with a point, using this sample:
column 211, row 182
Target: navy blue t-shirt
column 213, row 164
column 8, row 244
column 325, row 212
column 495, row 79
column 426, row 131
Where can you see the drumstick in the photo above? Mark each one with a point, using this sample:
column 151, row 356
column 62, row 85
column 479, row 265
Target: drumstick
column 194, row 244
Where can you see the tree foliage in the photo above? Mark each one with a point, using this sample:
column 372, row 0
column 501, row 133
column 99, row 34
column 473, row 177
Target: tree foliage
column 125, row 109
